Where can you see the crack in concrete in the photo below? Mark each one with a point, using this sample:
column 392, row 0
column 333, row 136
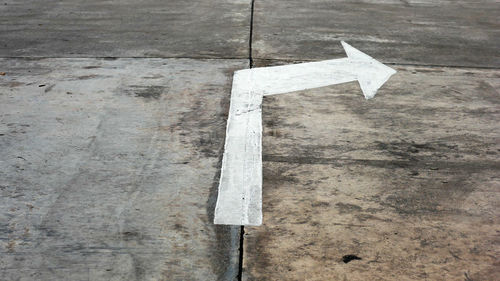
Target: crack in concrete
column 250, row 62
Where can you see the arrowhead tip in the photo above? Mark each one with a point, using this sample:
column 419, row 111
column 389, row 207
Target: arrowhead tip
column 372, row 75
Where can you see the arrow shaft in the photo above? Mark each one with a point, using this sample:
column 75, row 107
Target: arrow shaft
column 296, row 77
column 239, row 201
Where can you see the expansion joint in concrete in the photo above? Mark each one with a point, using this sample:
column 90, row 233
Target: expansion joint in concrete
column 250, row 60
column 251, row 34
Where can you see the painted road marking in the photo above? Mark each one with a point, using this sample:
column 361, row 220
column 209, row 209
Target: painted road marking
column 240, row 188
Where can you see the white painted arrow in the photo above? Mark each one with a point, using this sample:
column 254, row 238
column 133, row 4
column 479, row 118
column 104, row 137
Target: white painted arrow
column 240, row 188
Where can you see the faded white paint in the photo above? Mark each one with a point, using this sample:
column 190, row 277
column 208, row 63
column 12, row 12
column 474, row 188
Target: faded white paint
column 240, row 188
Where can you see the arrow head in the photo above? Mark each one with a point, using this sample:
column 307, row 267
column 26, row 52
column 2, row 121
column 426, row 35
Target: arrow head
column 371, row 74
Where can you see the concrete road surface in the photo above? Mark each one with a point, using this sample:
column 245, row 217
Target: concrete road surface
column 112, row 126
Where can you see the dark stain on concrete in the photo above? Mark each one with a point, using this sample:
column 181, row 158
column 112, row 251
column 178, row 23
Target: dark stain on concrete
column 417, row 164
column 227, row 237
column 349, row 258
column 419, row 199
column 131, row 235
column 319, row 204
column 211, row 144
column 257, row 244
column 179, row 227
column 273, row 176
column 488, row 92
column 149, row 92
column 348, row 208
column 87, row 77
column 209, row 126
column 409, row 149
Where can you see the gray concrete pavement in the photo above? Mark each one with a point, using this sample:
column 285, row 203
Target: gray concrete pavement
column 407, row 181
column 147, row 28
column 109, row 168
column 447, row 33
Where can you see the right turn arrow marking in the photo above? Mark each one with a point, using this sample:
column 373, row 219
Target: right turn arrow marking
column 240, row 188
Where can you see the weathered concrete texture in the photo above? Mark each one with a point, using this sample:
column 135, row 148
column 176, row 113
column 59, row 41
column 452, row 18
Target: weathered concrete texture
column 109, row 169
column 452, row 33
column 407, row 181
column 125, row 28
